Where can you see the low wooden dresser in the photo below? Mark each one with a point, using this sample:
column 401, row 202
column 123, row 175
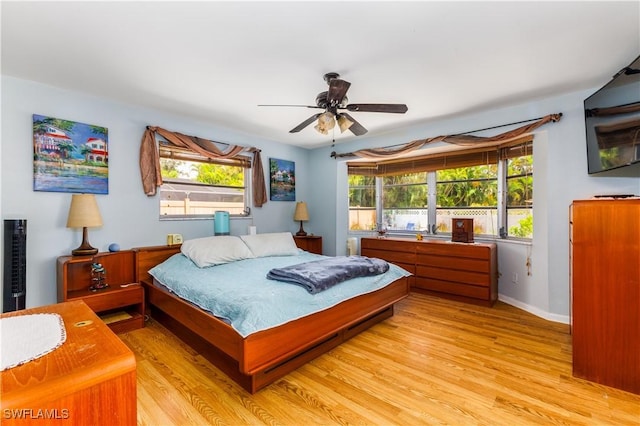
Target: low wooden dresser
column 89, row 380
column 463, row 271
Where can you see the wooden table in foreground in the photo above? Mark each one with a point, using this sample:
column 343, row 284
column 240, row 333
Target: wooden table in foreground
column 89, row 380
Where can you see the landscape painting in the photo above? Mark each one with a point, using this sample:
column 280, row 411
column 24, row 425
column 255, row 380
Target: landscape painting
column 69, row 156
column 282, row 180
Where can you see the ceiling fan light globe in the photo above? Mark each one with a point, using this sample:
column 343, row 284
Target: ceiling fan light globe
column 344, row 123
column 326, row 122
column 321, row 129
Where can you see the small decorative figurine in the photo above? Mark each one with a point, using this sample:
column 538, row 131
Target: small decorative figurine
column 98, row 277
column 381, row 229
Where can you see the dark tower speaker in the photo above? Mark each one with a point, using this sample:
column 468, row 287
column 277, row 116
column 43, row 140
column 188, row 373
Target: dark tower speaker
column 15, row 265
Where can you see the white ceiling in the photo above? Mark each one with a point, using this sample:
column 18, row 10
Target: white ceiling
column 216, row 61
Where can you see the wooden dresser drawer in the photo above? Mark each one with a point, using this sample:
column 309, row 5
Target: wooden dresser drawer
column 452, row 288
column 453, row 275
column 444, row 248
column 390, row 256
column 388, row 244
column 474, row 265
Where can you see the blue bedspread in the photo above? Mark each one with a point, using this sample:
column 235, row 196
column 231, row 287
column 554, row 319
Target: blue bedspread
column 240, row 293
column 319, row 275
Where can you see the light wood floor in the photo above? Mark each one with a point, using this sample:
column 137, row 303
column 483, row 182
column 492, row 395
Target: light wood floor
column 434, row 362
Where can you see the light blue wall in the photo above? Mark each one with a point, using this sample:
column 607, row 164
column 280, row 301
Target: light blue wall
column 130, row 218
column 560, row 171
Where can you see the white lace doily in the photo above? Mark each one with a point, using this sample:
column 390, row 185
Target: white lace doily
column 24, row 338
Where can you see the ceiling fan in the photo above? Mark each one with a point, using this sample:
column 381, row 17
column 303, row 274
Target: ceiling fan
column 333, row 101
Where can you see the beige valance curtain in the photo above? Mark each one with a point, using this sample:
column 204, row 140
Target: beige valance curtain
column 467, row 157
column 462, row 140
column 150, row 159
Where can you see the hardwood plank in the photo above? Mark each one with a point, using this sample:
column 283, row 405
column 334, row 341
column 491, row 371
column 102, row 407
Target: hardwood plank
column 436, row 361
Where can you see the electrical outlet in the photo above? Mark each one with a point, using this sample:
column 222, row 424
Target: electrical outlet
column 174, row 239
column 514, row 278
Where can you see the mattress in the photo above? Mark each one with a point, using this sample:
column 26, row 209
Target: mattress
column 240, row 294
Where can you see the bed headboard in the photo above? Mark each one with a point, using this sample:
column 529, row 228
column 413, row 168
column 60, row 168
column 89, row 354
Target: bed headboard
column 148, row 257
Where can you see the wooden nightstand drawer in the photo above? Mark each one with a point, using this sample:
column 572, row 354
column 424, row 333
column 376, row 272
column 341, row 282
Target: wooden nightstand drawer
column 106, row 300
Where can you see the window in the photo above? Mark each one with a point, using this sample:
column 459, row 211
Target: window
column 463, row 184
column 404, row 202
column 195, row 187
column 519, row 203
column 362, row 203
column 468, row 192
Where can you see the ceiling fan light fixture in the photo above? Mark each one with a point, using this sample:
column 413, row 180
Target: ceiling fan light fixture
column 344, row 123
column 326, row 122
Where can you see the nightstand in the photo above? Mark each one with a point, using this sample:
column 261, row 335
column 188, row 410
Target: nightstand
column 310, row 243
column 121, row 305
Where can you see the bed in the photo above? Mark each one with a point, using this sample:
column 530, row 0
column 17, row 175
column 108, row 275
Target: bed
column 254, row 359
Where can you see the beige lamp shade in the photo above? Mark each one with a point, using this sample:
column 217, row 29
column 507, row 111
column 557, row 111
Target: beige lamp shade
column 301, row 214
column 84, row 213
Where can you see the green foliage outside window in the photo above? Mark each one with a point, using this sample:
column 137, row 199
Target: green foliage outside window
column 405, row 191
column 475, row 186
column 212, row 174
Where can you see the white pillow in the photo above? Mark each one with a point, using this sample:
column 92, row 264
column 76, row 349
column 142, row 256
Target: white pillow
column 210, row 251
column 274, row 244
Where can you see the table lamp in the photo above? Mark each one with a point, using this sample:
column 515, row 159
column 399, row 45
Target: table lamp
column 301, row 214
column 84, row 213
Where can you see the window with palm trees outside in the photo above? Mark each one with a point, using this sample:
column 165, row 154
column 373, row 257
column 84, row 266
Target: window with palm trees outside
column 404, row 206
column 468, row 192
column 404, row 201
column 519, row 203
column 362, row 203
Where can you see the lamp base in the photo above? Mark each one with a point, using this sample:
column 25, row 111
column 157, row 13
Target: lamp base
column 301, row 232
column 80, row 251
column 85, row 248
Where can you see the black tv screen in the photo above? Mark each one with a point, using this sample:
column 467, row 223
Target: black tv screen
column 612, row 119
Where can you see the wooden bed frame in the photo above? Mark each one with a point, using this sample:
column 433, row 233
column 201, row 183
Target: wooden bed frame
column 261, row 358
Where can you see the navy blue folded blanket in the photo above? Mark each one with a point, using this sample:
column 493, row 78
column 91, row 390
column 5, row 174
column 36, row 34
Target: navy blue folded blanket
column 320, row 275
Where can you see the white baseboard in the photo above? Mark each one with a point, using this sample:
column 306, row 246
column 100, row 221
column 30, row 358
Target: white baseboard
column 564, row 319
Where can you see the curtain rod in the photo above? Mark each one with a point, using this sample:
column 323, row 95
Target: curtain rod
column 481, row 130
column 502, row 125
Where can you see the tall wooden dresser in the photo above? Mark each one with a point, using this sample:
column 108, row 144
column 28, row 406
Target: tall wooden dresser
column 605, row 291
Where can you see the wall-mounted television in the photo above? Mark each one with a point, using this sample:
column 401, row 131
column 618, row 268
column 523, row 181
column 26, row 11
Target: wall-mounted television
column 612, row 119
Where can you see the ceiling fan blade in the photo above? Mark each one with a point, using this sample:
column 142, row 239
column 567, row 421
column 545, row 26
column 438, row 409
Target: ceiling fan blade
column 337, row 90
column 303, row 106
column 356, row 128
column 305, row 123
column 394, row 108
